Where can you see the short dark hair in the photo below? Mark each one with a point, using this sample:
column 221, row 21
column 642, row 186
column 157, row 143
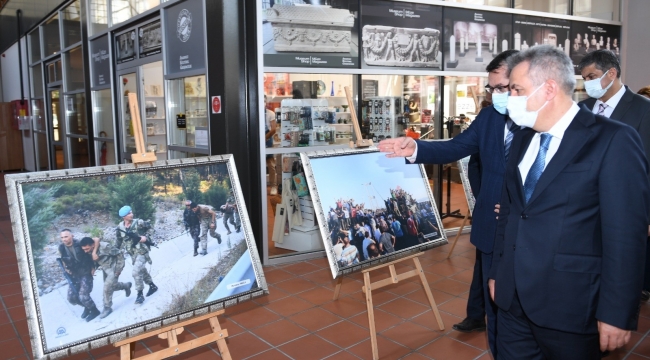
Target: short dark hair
column 66, row 229
column 500, row 60
column 194, row 205
column 603, row 59
column 86, row 241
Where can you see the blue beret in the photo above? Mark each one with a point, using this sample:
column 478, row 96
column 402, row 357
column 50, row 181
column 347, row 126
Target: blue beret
column 124, row 211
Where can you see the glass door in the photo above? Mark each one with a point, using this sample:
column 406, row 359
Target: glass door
column 55, row 126
column 129, row 84
column 40, row 135
column 147, row 82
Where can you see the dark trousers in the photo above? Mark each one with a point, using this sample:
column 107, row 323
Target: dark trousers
column 520, row 338
column 476, row 299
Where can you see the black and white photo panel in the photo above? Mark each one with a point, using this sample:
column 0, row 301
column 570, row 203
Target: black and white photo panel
column 310, row 33
column 473, row 38
column 400, row 35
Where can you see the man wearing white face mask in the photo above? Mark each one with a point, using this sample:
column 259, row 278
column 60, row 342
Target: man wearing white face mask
column 609, row 97
column 489, row 136
column 571, row 235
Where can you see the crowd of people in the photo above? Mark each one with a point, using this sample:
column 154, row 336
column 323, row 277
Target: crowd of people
column 359, row 234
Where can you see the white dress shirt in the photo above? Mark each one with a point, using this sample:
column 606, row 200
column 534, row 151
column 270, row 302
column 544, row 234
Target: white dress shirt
column 611, row 103
column 557, row 133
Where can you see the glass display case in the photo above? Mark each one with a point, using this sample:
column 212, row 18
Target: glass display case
column 188, row 109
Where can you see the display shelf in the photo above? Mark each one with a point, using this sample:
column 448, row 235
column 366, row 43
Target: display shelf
column 155, row 118
column 153, row 96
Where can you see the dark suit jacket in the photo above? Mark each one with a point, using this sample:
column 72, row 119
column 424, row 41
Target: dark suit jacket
column 484, row 136
column 474, row 173
column 576, row 252
column 634, row 110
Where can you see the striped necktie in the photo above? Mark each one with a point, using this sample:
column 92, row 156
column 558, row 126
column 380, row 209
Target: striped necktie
column 601, row 109
column 512, row 129
column 537, row 168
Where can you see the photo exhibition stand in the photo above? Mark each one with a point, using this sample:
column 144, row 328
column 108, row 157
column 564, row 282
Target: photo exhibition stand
column 394, row 278
column 460, row 231
column 218, row 335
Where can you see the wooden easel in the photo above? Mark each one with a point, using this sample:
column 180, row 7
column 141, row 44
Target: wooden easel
column 140, row 156
column 393, row 279
column 361, row 142
column 127, row 346
column 460, row 231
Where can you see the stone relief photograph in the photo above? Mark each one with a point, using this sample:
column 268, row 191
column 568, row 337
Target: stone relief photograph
column 103, row 253
column 398, row 34
column 587, row 37
column 383, row 210
column 532, row 30
column 125, row 47
column 473, row 38
column 311, row 33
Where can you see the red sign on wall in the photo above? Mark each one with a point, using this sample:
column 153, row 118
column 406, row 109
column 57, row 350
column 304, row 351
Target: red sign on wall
column 216, row 104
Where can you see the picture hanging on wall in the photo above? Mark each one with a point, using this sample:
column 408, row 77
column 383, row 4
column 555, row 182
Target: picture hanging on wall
column 125, row 47
column 150, row 39
column 108, row 252
column 533, row 30
column 383, row 209
column 587, row 37
column 307, row 33
column 473, row 38
column 399, row 34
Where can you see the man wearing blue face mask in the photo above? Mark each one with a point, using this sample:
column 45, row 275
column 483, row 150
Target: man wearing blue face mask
column 571, row 235
column 489, row 136
column 609, row 97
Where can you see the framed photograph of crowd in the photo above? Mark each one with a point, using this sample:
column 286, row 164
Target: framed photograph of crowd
column 463, row 169
column 107, row 253
column 371, row 209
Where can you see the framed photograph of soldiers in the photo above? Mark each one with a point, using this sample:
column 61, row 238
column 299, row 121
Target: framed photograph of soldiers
column 373, row 209
column 109, row 252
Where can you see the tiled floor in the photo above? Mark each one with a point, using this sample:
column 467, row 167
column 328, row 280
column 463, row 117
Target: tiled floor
column 298, row 320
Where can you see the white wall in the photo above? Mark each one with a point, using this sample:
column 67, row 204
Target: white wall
column 635, row 45
column 11, row 75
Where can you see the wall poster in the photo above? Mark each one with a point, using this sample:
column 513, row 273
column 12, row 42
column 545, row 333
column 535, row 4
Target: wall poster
column 125, row 47
column 108, row 252
column 299, row 33
column 532, row 30
column 587, row 37
column 399, row 34
column 385, row 212
column 150, row 39
column 473, row 38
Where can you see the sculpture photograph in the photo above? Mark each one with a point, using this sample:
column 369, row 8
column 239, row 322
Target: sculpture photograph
column 310, row 34
column 400, row 35
column 589, row 37
column 103, row 251
column 473, row 39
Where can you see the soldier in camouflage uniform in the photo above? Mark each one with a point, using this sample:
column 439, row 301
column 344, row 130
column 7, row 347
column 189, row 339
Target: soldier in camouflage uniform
column 202, row 216
column 111, row 260
column 79, row 266
column 139, row 253
column 229, row 213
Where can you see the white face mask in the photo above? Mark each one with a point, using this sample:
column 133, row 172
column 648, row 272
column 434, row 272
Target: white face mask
column 594, row 89
column 517, row 110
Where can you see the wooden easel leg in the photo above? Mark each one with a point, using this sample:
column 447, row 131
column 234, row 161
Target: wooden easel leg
column 337, row 288
column 460, row 231
column 127, row 351
column 371, row 316
column 427, row 290
column 221, row 343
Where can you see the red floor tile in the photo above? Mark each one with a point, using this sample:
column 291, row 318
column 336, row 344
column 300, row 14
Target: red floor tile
column 344, row 334
column 246, row 344
column 315, row 319
column 445, row 348
column 309, row 347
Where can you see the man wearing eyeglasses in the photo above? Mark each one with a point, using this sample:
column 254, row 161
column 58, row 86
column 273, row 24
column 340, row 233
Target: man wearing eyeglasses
column 489, row 135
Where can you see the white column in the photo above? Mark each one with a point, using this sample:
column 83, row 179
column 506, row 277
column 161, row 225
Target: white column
column 462, row 46
column 494, row 48
column 567, row 46
column 452, row 48
column 517, row 41
column 504, row 45
column 478, row 45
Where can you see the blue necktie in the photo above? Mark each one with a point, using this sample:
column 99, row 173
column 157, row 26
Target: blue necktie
column 512, row 129
column 537, row 168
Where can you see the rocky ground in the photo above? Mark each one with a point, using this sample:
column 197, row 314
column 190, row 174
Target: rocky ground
column 168, row 225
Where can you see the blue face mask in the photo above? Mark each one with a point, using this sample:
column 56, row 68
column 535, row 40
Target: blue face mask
column 500, row 101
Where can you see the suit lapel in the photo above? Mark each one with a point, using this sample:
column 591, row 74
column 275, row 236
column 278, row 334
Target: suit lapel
column 622, row 108
column 575, row 137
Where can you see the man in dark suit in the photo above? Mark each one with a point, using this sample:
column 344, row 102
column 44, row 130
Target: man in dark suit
column 570, row 244
column 489, row 135
column 609, row 97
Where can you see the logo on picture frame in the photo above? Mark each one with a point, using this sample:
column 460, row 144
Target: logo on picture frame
column 184, row 25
